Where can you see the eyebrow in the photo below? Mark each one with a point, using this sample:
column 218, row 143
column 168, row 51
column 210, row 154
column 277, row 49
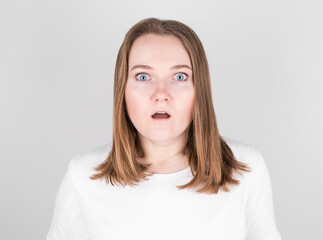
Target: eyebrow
column 173, row 67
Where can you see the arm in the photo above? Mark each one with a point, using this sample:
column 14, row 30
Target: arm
column 260, row 217
column 67, row 221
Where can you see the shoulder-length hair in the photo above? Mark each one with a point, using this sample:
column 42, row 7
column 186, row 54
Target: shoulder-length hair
column 211, row 160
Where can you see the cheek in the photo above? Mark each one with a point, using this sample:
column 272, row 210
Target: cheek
column 184, row 104
column 188, row 100
column 134, row 101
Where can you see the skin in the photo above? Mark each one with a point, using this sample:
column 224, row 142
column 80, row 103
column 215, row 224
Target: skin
column 160, row 88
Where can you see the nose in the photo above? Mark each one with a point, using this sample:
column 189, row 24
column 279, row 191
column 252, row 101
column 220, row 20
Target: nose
column 161, row 91
column 161, row 97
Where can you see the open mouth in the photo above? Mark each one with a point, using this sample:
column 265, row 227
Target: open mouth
column 161, row 116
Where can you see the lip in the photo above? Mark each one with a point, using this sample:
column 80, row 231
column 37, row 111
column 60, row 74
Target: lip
column 162, row 119
column 162, row 111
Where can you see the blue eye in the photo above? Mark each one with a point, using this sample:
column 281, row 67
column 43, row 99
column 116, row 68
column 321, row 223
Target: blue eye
column 181, row 77
column 141, row 79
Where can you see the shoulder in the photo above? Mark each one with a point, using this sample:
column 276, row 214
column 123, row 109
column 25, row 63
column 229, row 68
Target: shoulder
column 82, row 165
column 245, row 153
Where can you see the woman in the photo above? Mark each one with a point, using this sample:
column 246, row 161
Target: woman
column 168, row 174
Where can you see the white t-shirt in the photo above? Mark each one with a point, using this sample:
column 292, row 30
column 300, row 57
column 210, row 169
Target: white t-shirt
column 156, row 209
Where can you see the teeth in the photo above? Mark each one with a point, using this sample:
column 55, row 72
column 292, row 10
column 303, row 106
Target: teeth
column 160, row 112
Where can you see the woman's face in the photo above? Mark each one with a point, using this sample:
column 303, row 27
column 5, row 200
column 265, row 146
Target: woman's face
column 161, row 83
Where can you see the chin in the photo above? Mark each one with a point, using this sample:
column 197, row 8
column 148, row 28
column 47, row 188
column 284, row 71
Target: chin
column 160, row 138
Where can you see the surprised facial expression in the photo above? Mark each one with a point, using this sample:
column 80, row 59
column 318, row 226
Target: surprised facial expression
column 159, row 79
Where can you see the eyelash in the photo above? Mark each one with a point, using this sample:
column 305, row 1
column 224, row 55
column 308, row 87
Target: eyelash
column 148, row 74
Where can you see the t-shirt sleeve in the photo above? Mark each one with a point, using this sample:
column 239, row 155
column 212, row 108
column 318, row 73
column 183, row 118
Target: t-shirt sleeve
column 259, row 209
column 67, row 220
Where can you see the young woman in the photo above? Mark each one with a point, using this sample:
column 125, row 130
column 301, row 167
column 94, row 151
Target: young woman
column 168, row 173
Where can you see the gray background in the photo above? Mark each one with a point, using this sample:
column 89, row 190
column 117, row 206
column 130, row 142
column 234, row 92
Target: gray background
column 57, row 65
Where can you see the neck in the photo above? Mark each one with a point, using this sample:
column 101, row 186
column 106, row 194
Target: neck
column 166, row 156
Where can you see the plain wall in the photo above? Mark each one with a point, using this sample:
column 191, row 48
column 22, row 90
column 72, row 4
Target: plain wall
column 57, row 62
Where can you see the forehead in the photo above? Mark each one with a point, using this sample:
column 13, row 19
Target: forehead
column 156, row 49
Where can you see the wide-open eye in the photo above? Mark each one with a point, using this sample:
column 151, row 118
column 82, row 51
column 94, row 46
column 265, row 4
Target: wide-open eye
column 142, row 77
column 181, row 76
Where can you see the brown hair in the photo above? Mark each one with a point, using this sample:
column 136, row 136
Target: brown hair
column 211, row 160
